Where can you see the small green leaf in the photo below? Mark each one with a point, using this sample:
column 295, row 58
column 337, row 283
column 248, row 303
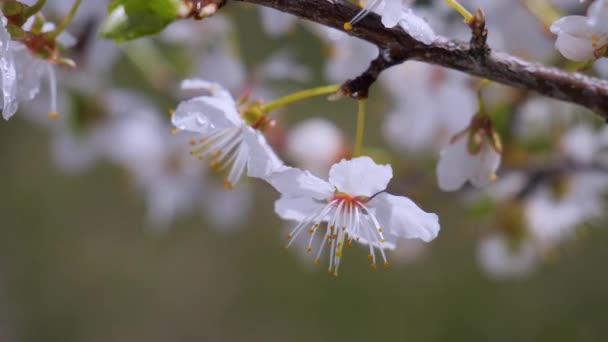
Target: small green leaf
column 131, row 19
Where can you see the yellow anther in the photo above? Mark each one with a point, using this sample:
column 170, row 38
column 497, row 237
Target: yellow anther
column 311, row 230
column 343, row 227
column 192, row 142
column 289, row 236
column 332, row 227
column 370, row 257
column 334, row 236
column 493, row 177
column 383, row 240
column 214, row 163
column 379, row 230
column 361, row 4
column 374, row 266
column 171, row 111
column 227, row 184
column 595, row 38
column 349, row 243
column 53, row 115
column 338, row 254
column 308, row 250
column 216, row 153
column 317, row 261
column 173, row 131
column 348, row 26
column 387, row 264
column 316, row 225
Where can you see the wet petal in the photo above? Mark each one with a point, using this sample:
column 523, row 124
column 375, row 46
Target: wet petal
column 205, row 114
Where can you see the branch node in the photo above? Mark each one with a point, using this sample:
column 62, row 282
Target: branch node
column 479, row 39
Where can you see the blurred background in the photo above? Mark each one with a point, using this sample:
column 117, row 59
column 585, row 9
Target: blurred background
column 81, row 261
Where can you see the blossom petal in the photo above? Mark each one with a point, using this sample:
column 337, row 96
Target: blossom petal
column 415, row 26
column 401, row 217
column 574, row 38
column 294, row 182
column 203, row 86
column 598, row 15
column 454, row 166
column 391, row 13
column 262, row 160
column 9, row 75
column 296, row 208
column 204, row 114
column 487, row 163
column 360, row 176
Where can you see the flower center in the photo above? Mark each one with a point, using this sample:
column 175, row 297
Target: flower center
column 225, row 148
column 343, row 219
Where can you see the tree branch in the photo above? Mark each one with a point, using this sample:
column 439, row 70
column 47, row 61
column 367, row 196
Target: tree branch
column 396, row 46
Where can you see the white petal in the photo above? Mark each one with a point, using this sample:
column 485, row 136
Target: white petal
column 574, row 38
column 501, row 260
column 454, row 166
column 9, row 75
column 298, row 208
column 294, row 182
column 401, row 217
column 598, row 15
column 202, row 86
column 262, row 159
column 360, row 176
column 487, row 163
column 204, row 114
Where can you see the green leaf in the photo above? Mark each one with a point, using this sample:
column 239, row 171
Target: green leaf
column 131, row 19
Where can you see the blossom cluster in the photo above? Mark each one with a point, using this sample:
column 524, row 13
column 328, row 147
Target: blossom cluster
column 534, row 169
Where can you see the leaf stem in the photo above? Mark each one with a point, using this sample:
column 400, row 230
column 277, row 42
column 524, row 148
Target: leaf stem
column 360, row 128
column 460, row 9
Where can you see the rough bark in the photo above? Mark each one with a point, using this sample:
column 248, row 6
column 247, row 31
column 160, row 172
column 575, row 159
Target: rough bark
column 396, row 46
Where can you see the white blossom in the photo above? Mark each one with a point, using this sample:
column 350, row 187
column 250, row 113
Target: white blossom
column 583, row 38
column 457, row 165
column 500, row 258
column 225, row 138
column 351, row 206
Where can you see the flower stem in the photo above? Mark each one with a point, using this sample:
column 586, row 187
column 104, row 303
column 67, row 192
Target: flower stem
column 35, row 8
column 460, row 9
column 300, row 95
column 480, row 103
column 360, row 128
column 66, row 21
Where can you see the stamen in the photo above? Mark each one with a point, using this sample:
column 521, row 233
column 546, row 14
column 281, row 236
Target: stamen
column 53, row 114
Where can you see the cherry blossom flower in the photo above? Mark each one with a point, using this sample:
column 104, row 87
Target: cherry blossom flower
column 226, row 138
column 500, row 258
column 473, row 155
column 351, row 206
column 583, row 38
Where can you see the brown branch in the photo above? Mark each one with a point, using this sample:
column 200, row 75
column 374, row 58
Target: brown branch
column 399, row 46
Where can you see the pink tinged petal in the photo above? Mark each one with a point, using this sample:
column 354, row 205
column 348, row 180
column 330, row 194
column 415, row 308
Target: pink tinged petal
column 454, row 166
column 205, row 114
column 294, row 182
column 297, row 208
column 401, row 217
column 574, row 38
column 360, row 176
column 487, row 162
column 262, row 160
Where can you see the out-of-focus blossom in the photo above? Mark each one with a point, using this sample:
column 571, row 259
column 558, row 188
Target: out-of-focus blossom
column 276, row 23
column 458, row 164
column 351, row 206
column 315, row 144
column 426, row 114
column 500, row 258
